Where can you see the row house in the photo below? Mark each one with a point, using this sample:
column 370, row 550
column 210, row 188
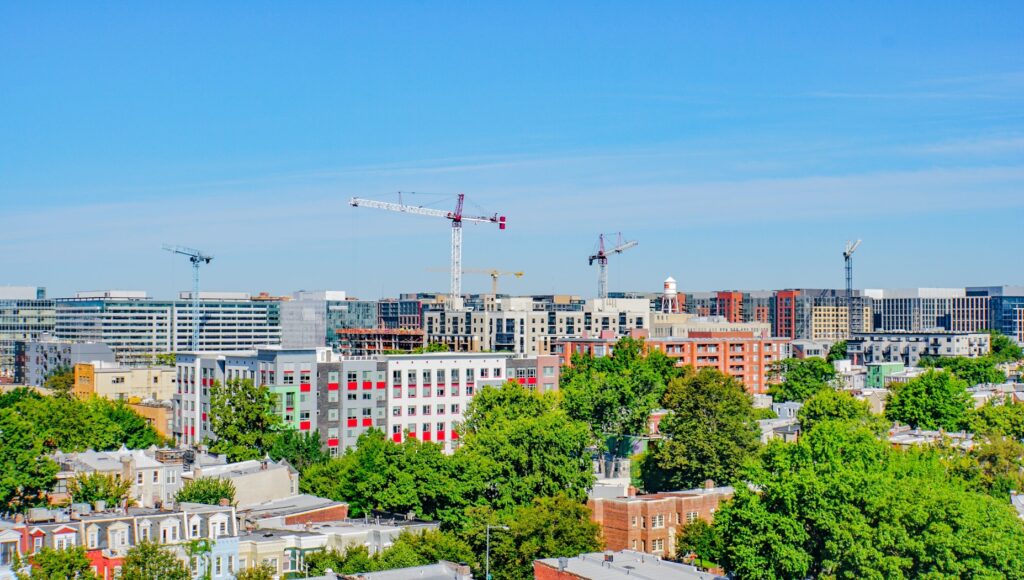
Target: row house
column 155, row 474
column 422, row 396
column 108, row 535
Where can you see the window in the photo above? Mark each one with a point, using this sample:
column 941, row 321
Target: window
column 440, row 427
column 497, row 373
column 484, row 373
column 332, row 396
column 64, row 541
column 332, row 414
column 396, row 378
column 411, row 378
column 351, row 397
column 172, row 476
column 455, row 408
column 426, row 377
column 367, row 412
column 426, row 409
column 549, row 372
column 396, row 412
column 633, row 522
column 412, row 392
column 440, row 376
column 690, row 517
column 658, row 521
column 37, row 544
column 455, row 376
column 426, row 427
column 138, row 478
column 156, row 476
column 92, row 537
column 411, row 411
column 367, row 396
column 658, row 545
column 218, row 566
column 426, row 391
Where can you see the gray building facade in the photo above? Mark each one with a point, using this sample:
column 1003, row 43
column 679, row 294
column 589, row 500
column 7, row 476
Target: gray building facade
column 25, row 315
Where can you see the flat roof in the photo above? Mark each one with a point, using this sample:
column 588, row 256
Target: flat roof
column 629, row 565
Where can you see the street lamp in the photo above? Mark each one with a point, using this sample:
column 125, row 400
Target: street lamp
column 487, row 557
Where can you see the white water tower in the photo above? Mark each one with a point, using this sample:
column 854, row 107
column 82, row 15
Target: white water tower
column 670, row 297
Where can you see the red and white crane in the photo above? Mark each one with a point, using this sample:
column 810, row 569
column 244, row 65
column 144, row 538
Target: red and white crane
column 601, row 257
column 456, row 217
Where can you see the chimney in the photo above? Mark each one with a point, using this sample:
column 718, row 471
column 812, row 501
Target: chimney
column 631, row 491
column 709, row 484
column 126, row 468
column 18, row 518
column 563, row 563
column 224, row 502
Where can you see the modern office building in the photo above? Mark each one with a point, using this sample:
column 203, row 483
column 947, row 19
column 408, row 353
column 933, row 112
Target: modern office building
column 25, row 315
column 139, row 328
column 928, row 309
column 1005, row 309
column 819, row 314
column 908, row 347
column 421, row 396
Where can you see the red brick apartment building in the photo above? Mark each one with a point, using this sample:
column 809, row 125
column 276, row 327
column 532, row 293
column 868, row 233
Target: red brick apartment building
column 738, row 354
column 649, row 523
column 730, row 305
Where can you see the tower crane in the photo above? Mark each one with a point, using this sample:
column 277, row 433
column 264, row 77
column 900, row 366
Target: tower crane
column 455, row 216
column 494, row 274
column 601, row 257
column 197, row 258
column 851, row 247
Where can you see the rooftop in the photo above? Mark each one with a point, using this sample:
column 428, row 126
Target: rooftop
column 627, row 564
column 295, row 504
column 239, row 469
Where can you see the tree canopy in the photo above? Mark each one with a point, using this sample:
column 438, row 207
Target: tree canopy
column 300, row 450
column 836, row 352
column 829, row 405
column 26, row 473
column 242, row 417
column 207, row 490
column 616, row 394
column 709, row 433
column 409, row 549
column 151, row 561
column 934, row 400
column 51, row 564
column 997, row 418
column 92, row 487
column 1003, row 349
column 839, row 503
column 974, row 371
column 800, row 379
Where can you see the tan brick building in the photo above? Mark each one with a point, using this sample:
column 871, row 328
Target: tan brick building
column 649, row 523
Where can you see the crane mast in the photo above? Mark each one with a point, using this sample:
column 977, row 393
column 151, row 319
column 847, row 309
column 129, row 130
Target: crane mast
column 851, row 247
column 456, row 217
column 601, row 257
column 196, row 257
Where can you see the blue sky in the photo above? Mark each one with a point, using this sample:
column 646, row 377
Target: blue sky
column 740, row 143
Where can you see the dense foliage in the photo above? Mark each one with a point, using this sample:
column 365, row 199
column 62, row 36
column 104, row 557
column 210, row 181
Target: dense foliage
column 409, row 549
column 836, row 352
column 151, row 561
column 616, row 394
column 800, row 379
column 51, row 564
column 70, row 424
column 833, row 405
column 1004, row 349
column 243, row 419
column 25, row 472
column 708, row 434
column 300, row 450
column 934, row 400
column 60, row 381
column 973, row 371
column 840, row 503
column 92, row 487
column 998, row 418
column 207, row 490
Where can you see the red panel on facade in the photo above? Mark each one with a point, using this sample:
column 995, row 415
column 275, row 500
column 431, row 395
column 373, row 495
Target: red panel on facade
column 396, row 437
column 332, row 442
column 382, row 385
column 204, row 417
column 440, row 435
column 367, row 385
column 305, row 387
column 367, row 422
column 332, row 386
column 353, row 423
column 521, row 381
column 426, row 436
column 352, row 386
column 455, row 434
column 532, row 380
column 304, row 426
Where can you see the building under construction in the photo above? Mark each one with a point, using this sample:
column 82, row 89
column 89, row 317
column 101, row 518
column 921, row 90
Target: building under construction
column 370, row 341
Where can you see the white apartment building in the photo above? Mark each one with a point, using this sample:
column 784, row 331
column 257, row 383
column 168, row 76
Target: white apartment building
column 422, row 396
column 928, row 309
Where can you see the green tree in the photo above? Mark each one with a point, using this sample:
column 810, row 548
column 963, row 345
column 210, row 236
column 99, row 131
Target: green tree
column 207, row 490
column 132, row 430
column 829, row 405
column 353, row 560
column 974, row 371
column 800, row 379
column 301, row 450
column 517, row 446
column 26, row 473
column 836, row 352
column 840, row 503
column 409, row 549
column 166, row 359
column 243, row 419
column 994, row 467
column 60, row 381
column 549, row 527
column 617, row 394
column 51, row 564
column 997, row 418
column 92, row 487
column 1004, row 349
column 709, row 433
column 151, row 561
column 934, row 400
column 700, row 538
column 261, row 571
column 381, row 475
